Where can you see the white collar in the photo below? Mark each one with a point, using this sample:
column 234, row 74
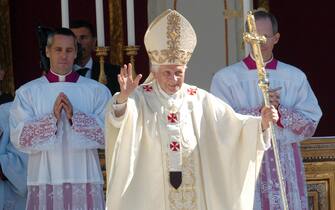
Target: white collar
column 265, row 62
column 61, row 78
column 172, row 102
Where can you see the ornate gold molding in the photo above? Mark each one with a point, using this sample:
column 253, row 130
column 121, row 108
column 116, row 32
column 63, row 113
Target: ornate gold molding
column 115, row 55
column 116, row 31
column 232, row 13
column 6, row 47
column 319, row 161
column 318, row 190
column 321, row 180
column 318, row 149
column 320, row 170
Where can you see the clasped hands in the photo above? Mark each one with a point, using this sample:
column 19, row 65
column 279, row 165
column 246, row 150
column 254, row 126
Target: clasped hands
column 63, row 103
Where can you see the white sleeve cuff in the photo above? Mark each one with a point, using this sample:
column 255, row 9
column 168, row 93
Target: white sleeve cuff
column 118, row 107
column 116, row 121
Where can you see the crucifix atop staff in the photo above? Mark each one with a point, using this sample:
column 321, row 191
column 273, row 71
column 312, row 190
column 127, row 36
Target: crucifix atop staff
column 255, row 40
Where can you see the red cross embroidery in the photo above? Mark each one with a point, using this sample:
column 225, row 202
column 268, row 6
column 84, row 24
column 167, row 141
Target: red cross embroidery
column 172, row 118
column 192, row 91
column 174, row 146
column 147, row 88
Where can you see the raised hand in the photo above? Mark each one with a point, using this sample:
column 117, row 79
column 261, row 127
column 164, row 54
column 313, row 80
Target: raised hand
column 127, row 83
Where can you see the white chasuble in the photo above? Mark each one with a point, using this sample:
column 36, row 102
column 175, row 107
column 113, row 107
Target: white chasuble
column 191, row 131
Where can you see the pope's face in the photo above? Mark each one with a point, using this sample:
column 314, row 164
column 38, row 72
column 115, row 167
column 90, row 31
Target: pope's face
column 62, row 53
column 170, row 77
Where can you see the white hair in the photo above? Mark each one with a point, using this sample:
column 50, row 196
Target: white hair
column 155, row 67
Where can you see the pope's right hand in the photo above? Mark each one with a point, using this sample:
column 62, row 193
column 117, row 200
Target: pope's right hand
column 127, row 83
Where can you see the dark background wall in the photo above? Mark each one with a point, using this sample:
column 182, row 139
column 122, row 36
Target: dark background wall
column 306, row 29
column 306, row 42
column 25, row 17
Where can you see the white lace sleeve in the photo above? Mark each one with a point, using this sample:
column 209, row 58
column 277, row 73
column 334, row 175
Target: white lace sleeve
column 296, row 122
column 87, row 131
column 36, row 133
column 31, row 132
column 255, row 111
column 111, row 117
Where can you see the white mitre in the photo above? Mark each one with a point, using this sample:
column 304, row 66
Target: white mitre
column 169, row 40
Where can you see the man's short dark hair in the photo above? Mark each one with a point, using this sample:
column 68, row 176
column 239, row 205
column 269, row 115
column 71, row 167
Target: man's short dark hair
column 61, row 31
column 261, row 14
column 83, row 24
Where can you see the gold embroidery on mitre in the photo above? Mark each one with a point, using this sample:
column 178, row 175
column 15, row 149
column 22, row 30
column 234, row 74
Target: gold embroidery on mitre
column 173, row 36
column 172, row 55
